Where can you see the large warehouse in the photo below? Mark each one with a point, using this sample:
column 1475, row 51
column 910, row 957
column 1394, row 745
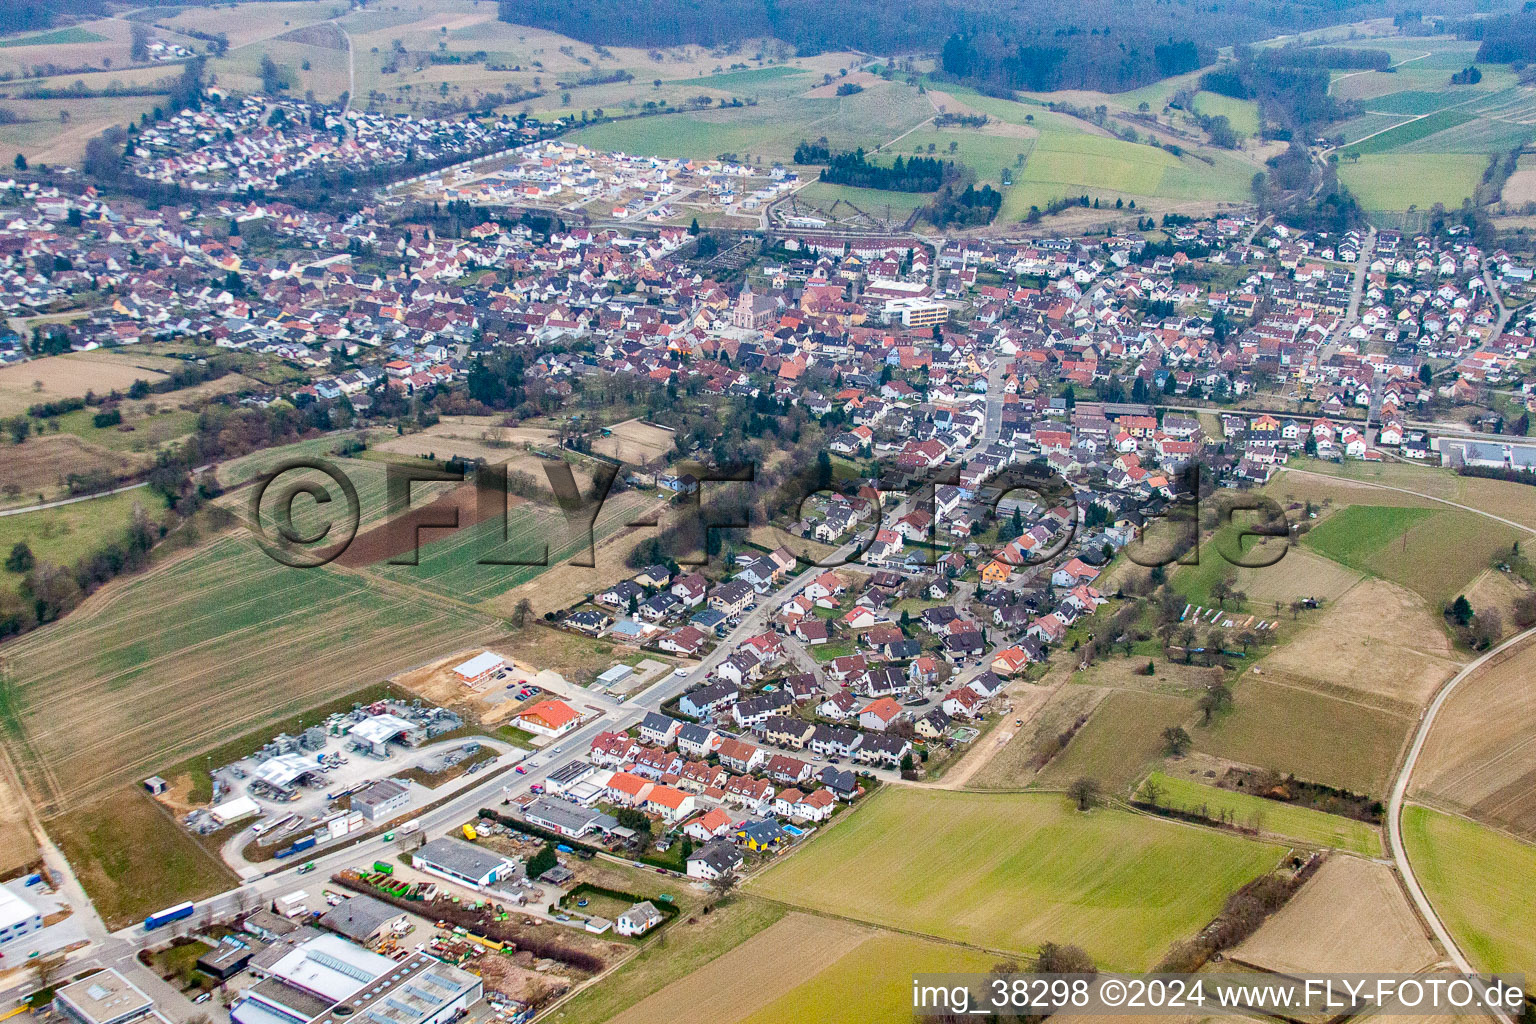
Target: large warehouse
column 327, row 978
column 461, row 862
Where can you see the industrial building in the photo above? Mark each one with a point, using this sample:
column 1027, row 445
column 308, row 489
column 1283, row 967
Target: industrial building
column 364, row 919
column 229, row 957
column 327, row 978
column 567, row 818
column 421, row 990
column 382, row 800
column 463, row 863
column 372, row 736
column 479, row 668
column 106, row 997
column 17, row 917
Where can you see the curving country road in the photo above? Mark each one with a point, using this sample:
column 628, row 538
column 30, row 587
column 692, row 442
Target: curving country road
column 1400, row 792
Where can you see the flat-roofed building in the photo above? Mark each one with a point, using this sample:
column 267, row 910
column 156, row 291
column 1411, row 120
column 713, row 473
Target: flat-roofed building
column 328, row 980
column 463, row 863
column 106, row 997
column 382, row 800
column 17, row 916
column 306, row 980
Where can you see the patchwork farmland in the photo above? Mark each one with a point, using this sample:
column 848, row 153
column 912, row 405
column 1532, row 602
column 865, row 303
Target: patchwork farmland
column 208, row 645
column 1007, row 872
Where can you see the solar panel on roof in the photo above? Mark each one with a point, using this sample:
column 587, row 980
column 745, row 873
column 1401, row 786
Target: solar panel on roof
column 339, row 965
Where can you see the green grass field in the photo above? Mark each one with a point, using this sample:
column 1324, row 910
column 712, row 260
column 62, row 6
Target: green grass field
column 1411, row 131
column 1482, row 884
column 1195, row 581
column 453, row 566
column 1312, row 735
column 1120, row 741
column 1243, row 115
column 1299, row 823
column 1010, row 871
column 61, row 535
column 1396, row 181
column 871, row 984
column 134, row 859
column 148, row 434
column 1434, row 552
column 58, row 37
column 1413, row 101
column 769, row 131
column 1352, row 535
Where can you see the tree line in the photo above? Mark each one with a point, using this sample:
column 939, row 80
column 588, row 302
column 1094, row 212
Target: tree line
column 919, row 174
column 32, row 15
column 1022, row 44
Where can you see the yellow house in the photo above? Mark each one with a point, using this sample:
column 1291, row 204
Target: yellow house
column 995, row 572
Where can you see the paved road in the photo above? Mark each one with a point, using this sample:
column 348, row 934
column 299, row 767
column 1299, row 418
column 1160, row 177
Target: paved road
column 71, row 501
column 118, row 949
column 1400, row 792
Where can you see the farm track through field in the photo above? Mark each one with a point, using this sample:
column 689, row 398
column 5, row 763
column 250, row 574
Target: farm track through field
column 1420, row 494
column 1399, row 793
column 114, row 628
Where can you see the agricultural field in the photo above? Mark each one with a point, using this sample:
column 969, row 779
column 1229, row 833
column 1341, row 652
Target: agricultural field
column 770, row 130
column 55, row 131
column 1316, row 736
column 869, row 984
column 38, row 469
column 1243, row 115
column 1433, row 552
column 1376, row 643
column 1274, row 817
column 1195, row 581
column 452, row 565
column 839, row 202
column 1120, row 741
column 82, row 45
column 635, row 442
column 1299, row 575
column 692, row 944
column 1399, row 181
column 71, row 376
column 1009, row 871
column 1410, row 131
column 1479, row 758
column 1501, row 498
column 1482, row 884
column 207, row 645
column 1352, row 535
column 247, row 468
column 1350, row 917
column 1014, row 765
column 18, row 846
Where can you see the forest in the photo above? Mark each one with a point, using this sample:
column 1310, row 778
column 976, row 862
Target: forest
column 31, row 15
column 1110, row 45
column 1505, row 38
column 919, row 174
column 971, row 208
